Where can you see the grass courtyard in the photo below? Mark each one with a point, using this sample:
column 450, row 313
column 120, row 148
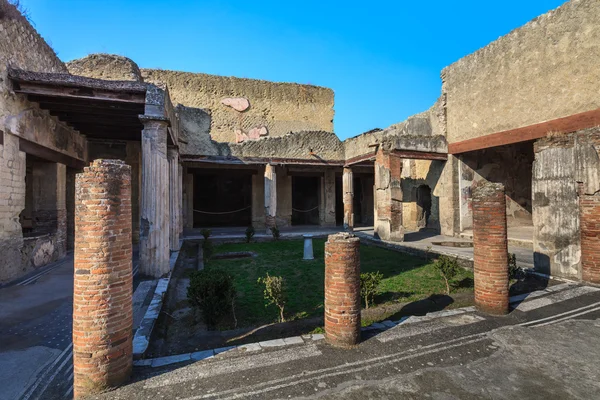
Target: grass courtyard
column 405, row 278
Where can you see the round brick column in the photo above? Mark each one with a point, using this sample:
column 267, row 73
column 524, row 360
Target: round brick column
column 490, row 248
column 342, row 290
column 589, row 214
column 102, row 305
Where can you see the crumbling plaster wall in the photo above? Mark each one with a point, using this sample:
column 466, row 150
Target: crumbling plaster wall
column 109, row 67
column 544, row 70
column 22, row 47
column 560, row 162
column 280, row 107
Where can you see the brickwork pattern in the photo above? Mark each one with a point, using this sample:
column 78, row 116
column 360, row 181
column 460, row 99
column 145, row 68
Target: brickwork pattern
column 342, row 290
column 589, row 209
column 102, row 298
column 490, row 248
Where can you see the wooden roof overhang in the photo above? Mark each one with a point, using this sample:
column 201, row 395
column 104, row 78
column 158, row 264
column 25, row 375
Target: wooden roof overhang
column 96, row 108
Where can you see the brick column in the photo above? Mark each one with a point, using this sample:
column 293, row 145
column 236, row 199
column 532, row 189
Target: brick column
column 348, row 197
column 342, row 290
column 270, row 197
column 589, row 214
column 388, row 196
column 490, row 248
column 102, row 305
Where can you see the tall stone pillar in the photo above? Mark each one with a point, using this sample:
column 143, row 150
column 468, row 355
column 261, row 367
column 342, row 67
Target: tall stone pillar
column 327, row 209
column 342, row 290
column 490, row 248
column 589, row 214
column 270, row 197
column 50, row 207
column 154, row 222
column 388, row 196
column 174, row 196
column 102, row 294
column 180, row 199
column 348, row 189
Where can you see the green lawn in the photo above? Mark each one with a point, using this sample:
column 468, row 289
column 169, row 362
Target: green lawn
column 406, row 278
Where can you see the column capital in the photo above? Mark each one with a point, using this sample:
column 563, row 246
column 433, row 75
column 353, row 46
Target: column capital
column 154, row 121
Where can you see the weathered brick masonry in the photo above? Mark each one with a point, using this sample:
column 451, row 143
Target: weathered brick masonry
column 490, row 248
column 589, row 209
column 342, row 290
column 388, row 201
column 102, row 308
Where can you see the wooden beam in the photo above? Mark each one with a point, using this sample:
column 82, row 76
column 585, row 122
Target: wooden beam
column 420, row 155
column 79, row 93
column 49, row 154
column 359, row 159
column 572, row 123
column 72, row 109
column 51, row 102
column 80, row 119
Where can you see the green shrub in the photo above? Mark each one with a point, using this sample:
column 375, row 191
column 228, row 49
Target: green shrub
column 250, row 233
column 514, row 271
column 206, row 233
column 208, row 249
column 212, row 292
column 369, row 282
column 275, row 232
column 275, row 293
column 447, row 267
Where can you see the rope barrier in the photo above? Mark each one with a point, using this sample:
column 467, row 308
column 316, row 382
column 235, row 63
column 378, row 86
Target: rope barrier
column 222, row 213
column 305, row 211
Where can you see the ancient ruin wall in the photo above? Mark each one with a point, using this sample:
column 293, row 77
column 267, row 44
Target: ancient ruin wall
column 110, row 67
column 544, row 70
column 22, row 47
column 280, row 107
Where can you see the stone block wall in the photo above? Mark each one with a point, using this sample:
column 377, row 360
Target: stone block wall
column 12, row 201
column 280, row 107
column 560, row 162
column 544, row 70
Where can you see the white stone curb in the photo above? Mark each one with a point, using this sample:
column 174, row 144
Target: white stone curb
column 141, row 340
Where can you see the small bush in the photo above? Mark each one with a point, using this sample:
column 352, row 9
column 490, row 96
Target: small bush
column 275, row 232
column 206, row 233
column 514, row 271
column 212, row 292
column 369, row 282
column 250, row 233
column 275, row 293
column 208, row 249
column 447, row 267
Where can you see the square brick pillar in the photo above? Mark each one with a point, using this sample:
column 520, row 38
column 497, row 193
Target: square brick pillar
column 589, row 216
column 102, row 293
column 388, row 196
column 270, row 197
column 342, row 290
column 155, row 209
column 348, row 198
column 490, row 248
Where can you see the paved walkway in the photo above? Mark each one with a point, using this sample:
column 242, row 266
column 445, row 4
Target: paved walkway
column 547, row 348
column 36, row 334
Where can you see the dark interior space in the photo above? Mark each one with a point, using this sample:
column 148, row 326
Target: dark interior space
column 222, row 198
column 510, row 165
column 339, row 201
column 357, row 201
column 423, row 205
column 305, row 200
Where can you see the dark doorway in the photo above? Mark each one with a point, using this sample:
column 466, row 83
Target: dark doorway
column 423, row 205
column 339, row 201
column 305, row 200
column 222, row 198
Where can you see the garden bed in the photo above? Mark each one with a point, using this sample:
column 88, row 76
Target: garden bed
column 410, row 286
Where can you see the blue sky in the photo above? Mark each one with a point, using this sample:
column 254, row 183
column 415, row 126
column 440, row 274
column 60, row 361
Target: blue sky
column 383, row 59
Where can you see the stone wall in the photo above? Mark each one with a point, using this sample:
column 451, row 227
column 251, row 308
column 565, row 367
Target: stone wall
column 541, row 71
column 561, row 162
column 22, row 47
column 279, row 107
column 109, row 67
